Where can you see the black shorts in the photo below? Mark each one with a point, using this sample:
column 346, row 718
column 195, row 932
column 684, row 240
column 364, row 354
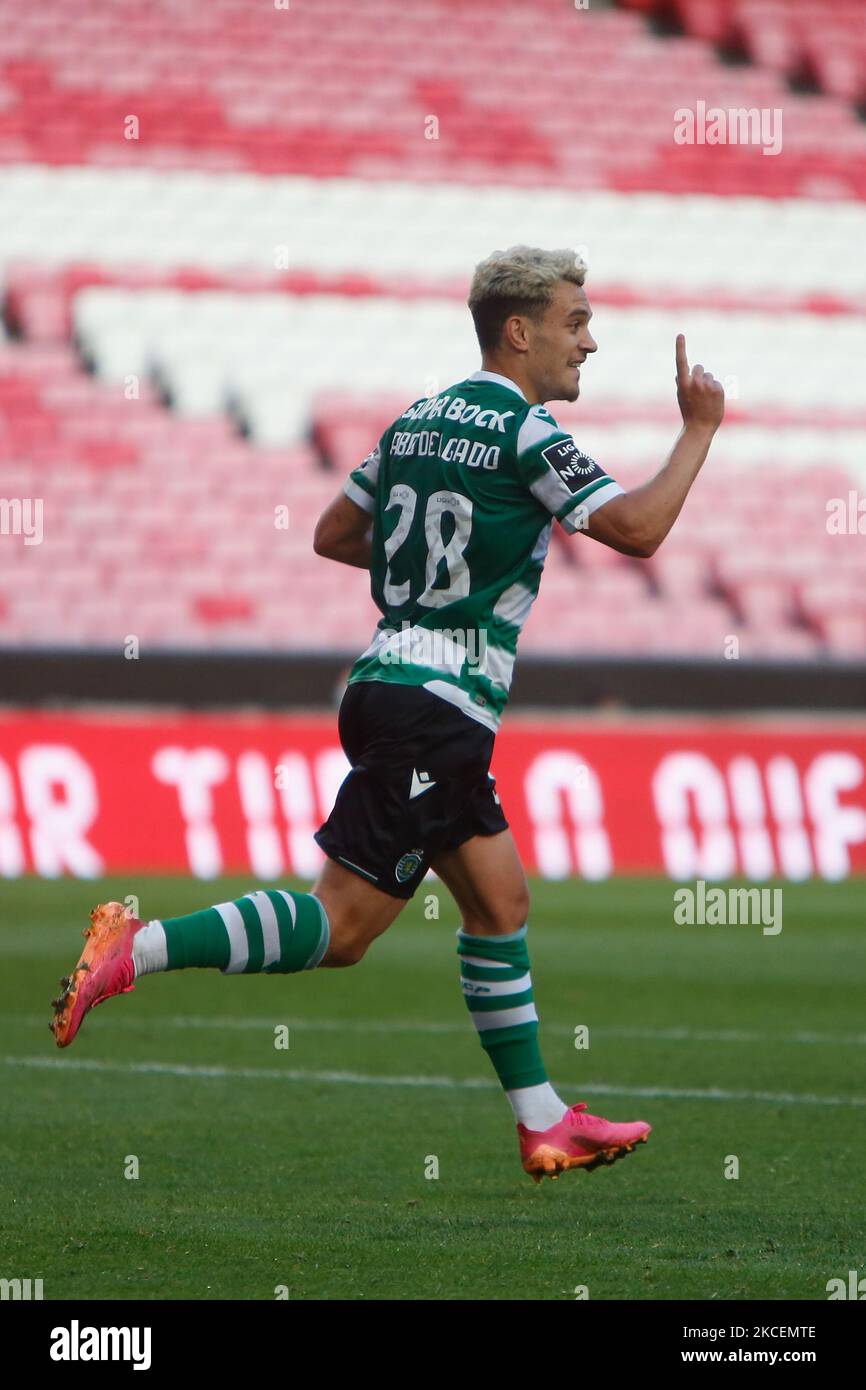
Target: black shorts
column 419, row 784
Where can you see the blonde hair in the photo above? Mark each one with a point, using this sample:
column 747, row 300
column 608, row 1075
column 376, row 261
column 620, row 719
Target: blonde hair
column 521, row 280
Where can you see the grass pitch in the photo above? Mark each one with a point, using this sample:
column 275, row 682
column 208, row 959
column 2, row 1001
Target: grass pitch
column 261, row 1167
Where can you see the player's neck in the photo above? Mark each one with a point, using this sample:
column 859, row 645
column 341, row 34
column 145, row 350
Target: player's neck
column 513, row 372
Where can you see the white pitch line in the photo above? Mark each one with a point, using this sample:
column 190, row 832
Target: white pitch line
column 437, row 1082
column 337, row 1025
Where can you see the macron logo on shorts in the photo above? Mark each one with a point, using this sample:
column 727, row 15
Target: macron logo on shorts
column 420, row 783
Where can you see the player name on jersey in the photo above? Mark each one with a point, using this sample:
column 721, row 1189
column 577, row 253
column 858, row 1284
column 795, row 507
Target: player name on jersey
column 458, row 448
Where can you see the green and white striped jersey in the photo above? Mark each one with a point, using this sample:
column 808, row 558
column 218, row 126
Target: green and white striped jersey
column 463, row 489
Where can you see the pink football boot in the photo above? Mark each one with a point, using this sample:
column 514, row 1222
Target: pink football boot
column 106, row 968
column 577, row 1141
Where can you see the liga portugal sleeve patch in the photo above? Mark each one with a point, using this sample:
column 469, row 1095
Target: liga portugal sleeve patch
column 574, row 468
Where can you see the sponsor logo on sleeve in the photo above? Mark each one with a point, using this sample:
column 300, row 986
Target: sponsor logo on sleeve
column 574, row 468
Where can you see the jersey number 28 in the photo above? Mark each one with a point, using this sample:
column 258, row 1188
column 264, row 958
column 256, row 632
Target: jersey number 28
column 439, row 504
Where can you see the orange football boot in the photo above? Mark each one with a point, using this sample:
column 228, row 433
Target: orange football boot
column 106, row 968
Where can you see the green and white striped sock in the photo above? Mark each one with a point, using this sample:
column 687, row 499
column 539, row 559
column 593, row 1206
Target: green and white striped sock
column 270, row 930
column 497, row 985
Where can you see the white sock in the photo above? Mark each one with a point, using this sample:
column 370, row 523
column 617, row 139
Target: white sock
column 150, row 949
column 537, row 1107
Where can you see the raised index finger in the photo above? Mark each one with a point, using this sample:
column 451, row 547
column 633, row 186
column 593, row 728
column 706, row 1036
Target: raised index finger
column 682, row 360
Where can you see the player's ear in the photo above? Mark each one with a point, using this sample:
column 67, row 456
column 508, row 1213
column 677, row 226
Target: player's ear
column 514, row 332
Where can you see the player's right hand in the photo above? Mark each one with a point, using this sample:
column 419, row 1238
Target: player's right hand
column 701, row 398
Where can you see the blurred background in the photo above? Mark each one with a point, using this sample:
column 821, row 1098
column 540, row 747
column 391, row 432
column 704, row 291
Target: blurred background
column 236, row 240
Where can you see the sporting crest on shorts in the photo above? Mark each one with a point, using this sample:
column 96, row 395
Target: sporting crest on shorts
column 408, row 864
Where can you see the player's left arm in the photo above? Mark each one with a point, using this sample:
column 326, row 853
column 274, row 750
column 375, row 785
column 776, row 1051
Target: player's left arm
column 344, row 530
column 583, row 497
column 637, row 522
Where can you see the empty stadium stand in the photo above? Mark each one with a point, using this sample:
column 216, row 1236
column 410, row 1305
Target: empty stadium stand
column 818, row 46
column 209, row 324
column 336, row 88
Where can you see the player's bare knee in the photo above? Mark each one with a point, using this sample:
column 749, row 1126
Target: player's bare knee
column 503, row 919
column 513, row 912
column 346, row 952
